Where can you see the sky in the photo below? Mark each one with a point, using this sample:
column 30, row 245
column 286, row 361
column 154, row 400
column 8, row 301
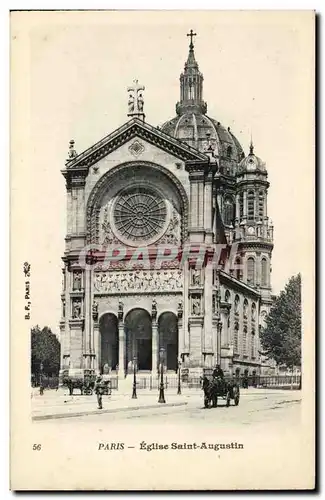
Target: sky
column 74, row 69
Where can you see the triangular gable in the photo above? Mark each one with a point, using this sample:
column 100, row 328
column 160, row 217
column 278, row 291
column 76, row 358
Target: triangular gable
column 132, row 128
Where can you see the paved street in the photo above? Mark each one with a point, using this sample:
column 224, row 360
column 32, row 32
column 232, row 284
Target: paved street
column 263, row 408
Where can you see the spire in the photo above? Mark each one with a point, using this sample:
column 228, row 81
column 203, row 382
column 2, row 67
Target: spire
column 251, row 147
column 191, row 85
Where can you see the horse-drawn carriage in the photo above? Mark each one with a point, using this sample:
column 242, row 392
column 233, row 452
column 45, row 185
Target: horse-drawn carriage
column 85, row 380
column 218, row 387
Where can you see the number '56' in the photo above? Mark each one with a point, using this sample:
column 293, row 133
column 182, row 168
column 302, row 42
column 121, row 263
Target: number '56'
column 37, row 447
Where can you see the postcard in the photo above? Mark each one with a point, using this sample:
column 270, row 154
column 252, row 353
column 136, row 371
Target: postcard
column 162, row 250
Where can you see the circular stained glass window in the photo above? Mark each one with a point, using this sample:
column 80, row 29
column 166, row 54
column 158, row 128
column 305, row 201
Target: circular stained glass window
column 139, row 215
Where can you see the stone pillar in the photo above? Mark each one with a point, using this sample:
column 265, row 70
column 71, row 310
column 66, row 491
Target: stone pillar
column 237, row 207
column 195, row 297
column 218, row 350
column 76, row 354
column 181, row 340
column 88, row 343
column 245, row 205
column 121, row 340
column 154, row 330
column 96, row 362
column 207, row 343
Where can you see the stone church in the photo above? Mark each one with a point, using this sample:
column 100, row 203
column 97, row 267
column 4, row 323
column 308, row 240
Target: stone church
column 148, row 210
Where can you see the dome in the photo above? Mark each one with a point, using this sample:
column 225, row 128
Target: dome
column 201, row 131
column 193, row 126
column 251, row 163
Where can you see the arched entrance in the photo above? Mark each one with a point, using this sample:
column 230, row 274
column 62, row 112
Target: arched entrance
column 108, row 341
column 168, row 338
column 138, row 335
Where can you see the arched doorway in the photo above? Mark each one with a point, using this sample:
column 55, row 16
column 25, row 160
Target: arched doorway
column 108, row 341
column 138, row 335
column 168, row 338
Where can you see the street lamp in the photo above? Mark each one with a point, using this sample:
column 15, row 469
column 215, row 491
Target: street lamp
column 161, row 390
column 179, row 377
column 134, row 392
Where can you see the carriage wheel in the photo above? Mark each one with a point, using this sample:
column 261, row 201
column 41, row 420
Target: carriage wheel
column 237, row 398
column 206, row 402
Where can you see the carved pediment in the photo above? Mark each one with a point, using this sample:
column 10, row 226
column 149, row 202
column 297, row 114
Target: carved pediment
column 131, row 129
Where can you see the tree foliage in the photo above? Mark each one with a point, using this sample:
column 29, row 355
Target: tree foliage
column 45, row 348
column 281, row 336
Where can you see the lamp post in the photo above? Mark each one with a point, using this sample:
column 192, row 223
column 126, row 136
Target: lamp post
column 134, row 392
column 179, row 377
column 161, row 389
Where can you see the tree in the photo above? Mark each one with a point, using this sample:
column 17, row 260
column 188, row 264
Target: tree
column 45, row 349
column 281, row 336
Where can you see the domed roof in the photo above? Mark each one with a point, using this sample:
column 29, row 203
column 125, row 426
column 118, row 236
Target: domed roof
column 194, row 127
column 201, row 131
column 251, row 163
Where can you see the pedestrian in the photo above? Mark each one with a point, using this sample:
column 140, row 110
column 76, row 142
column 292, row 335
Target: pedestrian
column 99, row 389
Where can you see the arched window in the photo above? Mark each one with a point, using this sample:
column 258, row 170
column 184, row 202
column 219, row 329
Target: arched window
column 251, row 271
column 245, row 341
column 250, row 205
column 245, row 308
column 241, row 205
column 236, row 328
column 236, row 304
column 229, row 152
column 228, row 211
column 238, row 268
column 253, row 311
column 261, row 205
column 253, row 344
column 264, row 280
column 227, row 296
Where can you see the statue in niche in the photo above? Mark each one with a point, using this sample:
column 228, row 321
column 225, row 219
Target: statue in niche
column 196, row 306
column 77, row 281
column 95, row 310
column 154, row 309
column 196, row 277
column 120, row 309
column 76, row 309
column 63, row 308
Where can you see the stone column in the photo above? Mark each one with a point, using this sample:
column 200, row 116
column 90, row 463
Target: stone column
column 181, row 340
column 195, row 298
column 154, row 330
column 245, row 205
column 96, row 361
column 121, row 340
column 237, row 207
column 88, row 343
column 218, row 350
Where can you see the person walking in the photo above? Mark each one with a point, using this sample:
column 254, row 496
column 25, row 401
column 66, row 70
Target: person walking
column 99, row 389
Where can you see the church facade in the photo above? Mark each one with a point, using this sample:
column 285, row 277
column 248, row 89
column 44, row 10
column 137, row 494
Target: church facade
column 168, row 244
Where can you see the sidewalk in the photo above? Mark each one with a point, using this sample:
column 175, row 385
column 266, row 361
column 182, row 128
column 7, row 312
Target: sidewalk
column 57, row 404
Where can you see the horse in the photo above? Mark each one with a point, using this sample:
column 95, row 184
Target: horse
column 219, row 387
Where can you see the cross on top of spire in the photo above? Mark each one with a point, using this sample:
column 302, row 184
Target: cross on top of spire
column 191, row 34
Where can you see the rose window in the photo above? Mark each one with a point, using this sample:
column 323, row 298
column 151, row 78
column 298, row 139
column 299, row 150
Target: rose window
column 139, row 215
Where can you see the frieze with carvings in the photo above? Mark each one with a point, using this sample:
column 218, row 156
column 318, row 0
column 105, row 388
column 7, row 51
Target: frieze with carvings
column 138, row 281
column 123, row 265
